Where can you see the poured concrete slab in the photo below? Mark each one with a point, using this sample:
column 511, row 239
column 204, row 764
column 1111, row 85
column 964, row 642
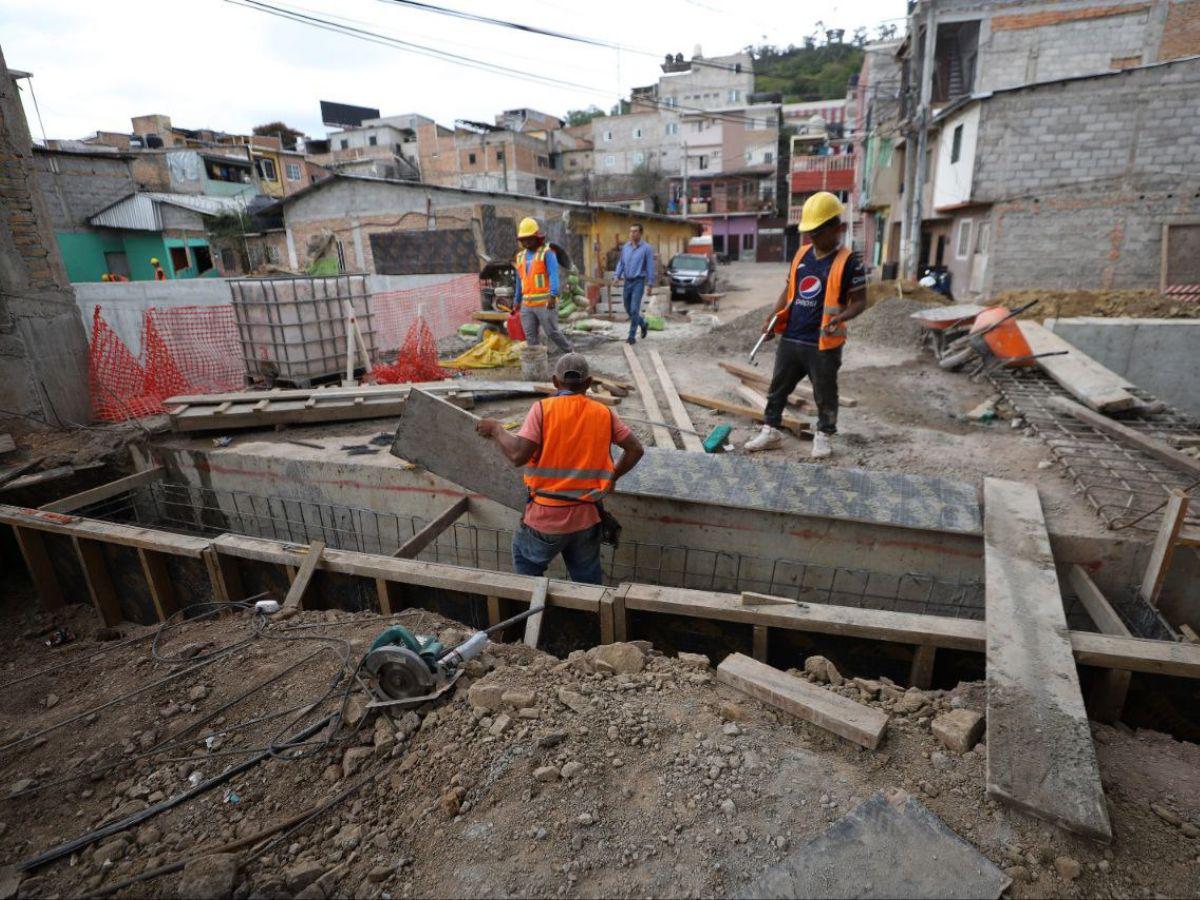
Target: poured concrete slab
column 889, row 846
column 441, row 438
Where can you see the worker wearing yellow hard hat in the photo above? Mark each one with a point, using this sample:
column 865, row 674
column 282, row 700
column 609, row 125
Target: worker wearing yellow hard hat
column 826, row 287
column 159, row 274
column 535, row 287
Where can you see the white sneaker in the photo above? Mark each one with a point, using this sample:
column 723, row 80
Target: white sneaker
column 821, row 446
column 767, row 438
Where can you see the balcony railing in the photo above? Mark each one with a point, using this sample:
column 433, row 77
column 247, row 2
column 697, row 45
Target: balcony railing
column 842, row 163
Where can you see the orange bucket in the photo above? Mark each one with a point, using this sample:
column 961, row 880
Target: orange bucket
column 1005, row 340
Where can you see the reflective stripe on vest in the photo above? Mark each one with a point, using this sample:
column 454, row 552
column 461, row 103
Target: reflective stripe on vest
column 573, row 465
column 833, row 306
column 535, row 277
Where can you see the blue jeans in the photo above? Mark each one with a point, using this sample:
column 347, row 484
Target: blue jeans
column 533, row 551
column 632, row 297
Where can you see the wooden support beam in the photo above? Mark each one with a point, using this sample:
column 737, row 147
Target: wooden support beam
column 533, row 625
column 1164, row 546
column 920, row 674
column 158, row 580
column 864, row 725
column 662, row 435
column 41, row 569
column 99, row 581
column 762, row 637
column 427, row 535
column 678, row 411
column 383, row 592
column 753, row 413
column 1150, row 446
column 295, row 594
column 105, row 491
column 106, row 532
column 606, row 618
column 1040, row 756
column 1106, row 700
column 224, row 578
column 493, row 611
column 1079, row 375
column 620, row 618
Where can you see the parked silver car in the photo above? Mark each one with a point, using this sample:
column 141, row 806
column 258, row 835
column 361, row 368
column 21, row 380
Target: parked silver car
column 691, row 274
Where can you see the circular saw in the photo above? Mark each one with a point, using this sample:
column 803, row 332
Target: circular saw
column 405, row 669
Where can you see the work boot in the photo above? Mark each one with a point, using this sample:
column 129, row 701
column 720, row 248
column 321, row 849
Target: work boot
column 822, row 447
column 645, row 329
column 766, row 439
column 631, row 341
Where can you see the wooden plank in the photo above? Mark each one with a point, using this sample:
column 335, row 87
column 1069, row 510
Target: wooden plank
column 751, row 396
column 105, row 491
column 295, row 594
column 1081, row 376
column 1189, row 634
column 662, row 436
column 1164, row 546
column 920, row 674
column 789, row 422
column 620, row 616
column 1106, row 700
column 225, row 580
column 384, row 596
column 606, row 618
column 505, row 585
column 41, row 569
column 678, row 411
column 761, row 637
column 863, row 725
column 441, row 437
column 108, row 532
column 427, row 535
column 1126, row 435
column 1040, row 756
column 803, row 392
column 533, row 625
column 493, row 611
column 99, row 581
column 158, row 580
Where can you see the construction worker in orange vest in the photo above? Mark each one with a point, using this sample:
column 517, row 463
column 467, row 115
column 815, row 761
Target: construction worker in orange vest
column 565, row 448
column 826, row 288
column 159, row 274
column 535, row 290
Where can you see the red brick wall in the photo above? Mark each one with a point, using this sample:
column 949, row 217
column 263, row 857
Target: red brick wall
column 1181, row 36
column 1020, row 21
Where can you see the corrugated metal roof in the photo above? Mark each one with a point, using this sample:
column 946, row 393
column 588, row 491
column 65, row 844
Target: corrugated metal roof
column 140, row 212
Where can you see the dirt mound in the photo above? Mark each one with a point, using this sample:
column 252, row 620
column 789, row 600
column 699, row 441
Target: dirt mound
column 1115, row 304
column 889, row 321
column 614, row 773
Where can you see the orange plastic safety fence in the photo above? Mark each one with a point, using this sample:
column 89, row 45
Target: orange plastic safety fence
column 412, row 321
column 416, row 361
column 186, row 349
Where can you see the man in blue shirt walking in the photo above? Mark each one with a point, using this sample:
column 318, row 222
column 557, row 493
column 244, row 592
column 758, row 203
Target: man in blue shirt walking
column 636, row 266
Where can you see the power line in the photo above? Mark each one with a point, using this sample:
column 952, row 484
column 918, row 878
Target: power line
column 398, row 44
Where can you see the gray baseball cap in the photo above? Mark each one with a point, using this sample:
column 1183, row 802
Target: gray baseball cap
column 572, row 368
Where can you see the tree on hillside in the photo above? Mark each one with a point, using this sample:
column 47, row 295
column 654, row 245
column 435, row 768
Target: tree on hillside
column 809, row 72
column 288, row 135
column 583, row 116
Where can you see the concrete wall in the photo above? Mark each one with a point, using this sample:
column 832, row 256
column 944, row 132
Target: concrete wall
column 79, row 185
column 1082, row 174
column 123, row 305
column 43, row 351
column 1159, row 355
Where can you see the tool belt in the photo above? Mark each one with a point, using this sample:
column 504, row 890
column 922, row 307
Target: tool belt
column 610, row 526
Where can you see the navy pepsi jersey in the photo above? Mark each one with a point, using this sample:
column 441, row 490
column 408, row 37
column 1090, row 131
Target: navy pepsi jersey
column 808, row 304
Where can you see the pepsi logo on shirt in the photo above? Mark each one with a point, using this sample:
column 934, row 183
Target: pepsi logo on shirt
column 810, row 287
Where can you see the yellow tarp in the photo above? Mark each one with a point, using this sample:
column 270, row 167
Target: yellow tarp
column 494, row 350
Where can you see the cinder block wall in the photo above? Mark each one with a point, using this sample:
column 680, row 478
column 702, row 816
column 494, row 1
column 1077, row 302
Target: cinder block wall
column 1083, row 173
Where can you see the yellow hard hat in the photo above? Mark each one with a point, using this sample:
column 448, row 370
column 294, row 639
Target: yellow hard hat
column 154, row 259
column 819, row 209
column 105, row 277
column 528, row 228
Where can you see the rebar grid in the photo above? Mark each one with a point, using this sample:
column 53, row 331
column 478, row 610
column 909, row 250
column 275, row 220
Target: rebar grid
column 208, row 512
column 1121, row 482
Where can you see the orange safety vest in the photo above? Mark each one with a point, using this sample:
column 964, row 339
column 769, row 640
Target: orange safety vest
column 159, row 274
column 535, row 277
column 833, row 299
column 573, row 465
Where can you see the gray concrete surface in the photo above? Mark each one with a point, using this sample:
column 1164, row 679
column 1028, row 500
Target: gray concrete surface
column 1161, row 356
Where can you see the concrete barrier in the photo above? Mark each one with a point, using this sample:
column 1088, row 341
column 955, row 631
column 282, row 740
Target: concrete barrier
column 124, row 303
column 1161, row 356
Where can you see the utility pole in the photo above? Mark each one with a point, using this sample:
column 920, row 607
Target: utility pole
column 918, row 167
column 686, row 197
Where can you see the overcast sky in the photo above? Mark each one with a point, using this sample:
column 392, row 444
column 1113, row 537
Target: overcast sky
column 212, row 63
